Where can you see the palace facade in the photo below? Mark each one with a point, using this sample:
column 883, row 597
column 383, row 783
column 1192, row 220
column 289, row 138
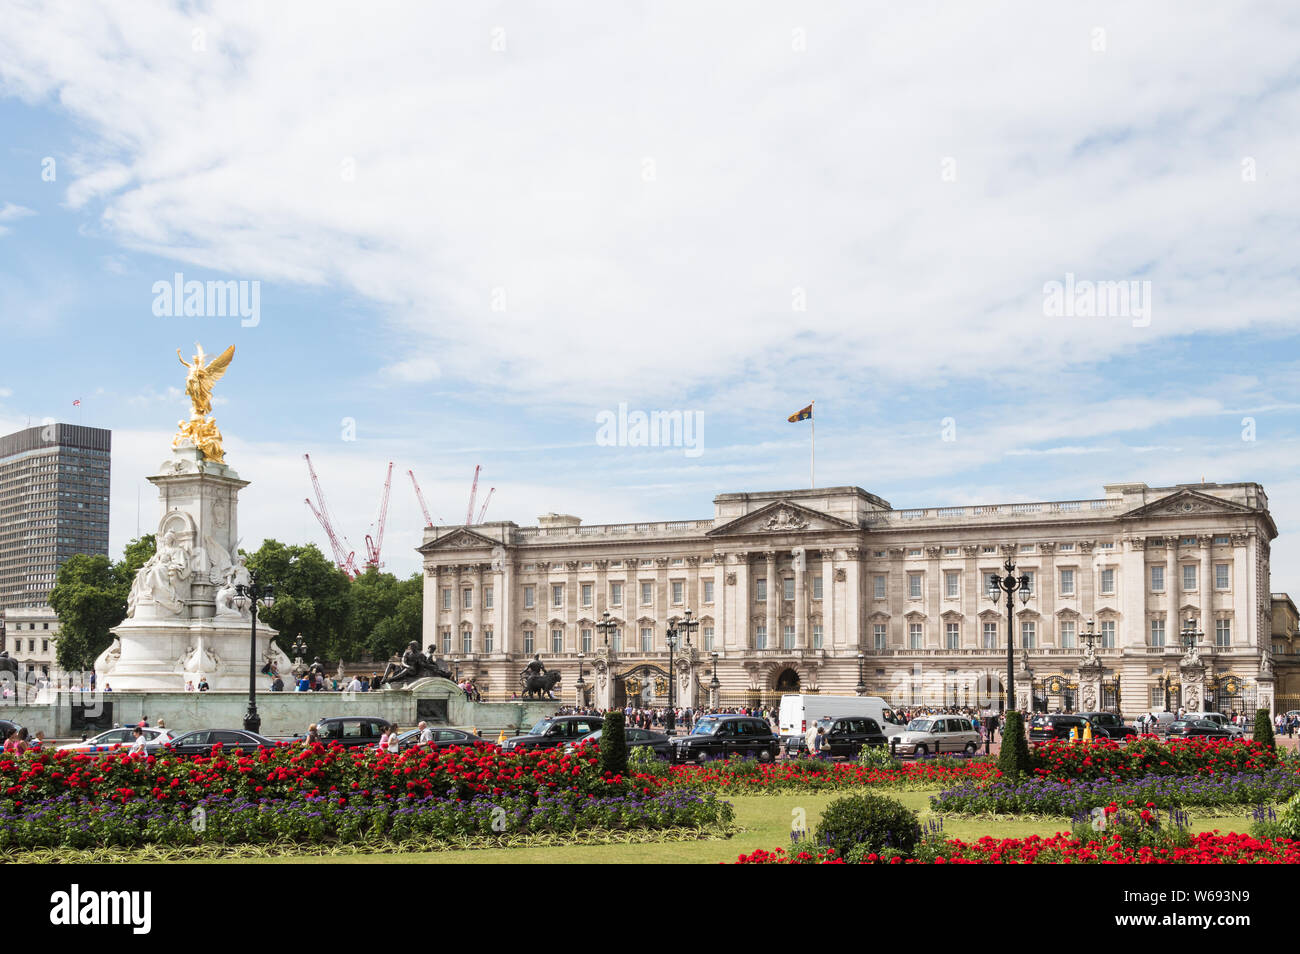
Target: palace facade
column 834, row 591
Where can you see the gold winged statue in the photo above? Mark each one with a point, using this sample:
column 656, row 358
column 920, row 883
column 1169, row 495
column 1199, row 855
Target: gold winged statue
column 201, row 430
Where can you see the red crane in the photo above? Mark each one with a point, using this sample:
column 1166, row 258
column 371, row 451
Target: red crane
column 483, row 512
column 424, row 508
column 374, row 546
column 343, row 552
column 473, row 492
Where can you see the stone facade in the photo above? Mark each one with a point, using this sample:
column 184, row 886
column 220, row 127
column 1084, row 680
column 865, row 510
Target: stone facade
column 805, row 590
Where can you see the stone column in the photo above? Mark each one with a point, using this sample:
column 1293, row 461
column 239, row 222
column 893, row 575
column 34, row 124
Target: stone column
column 503, row 599
column 773, row 601
column 476, row 612
column 933, row 599
column 801, row 640
column 572, row 605
column 851, row 574
column 739, row 589
column 1173, row 620
column 1206, row 583
column 831, row 636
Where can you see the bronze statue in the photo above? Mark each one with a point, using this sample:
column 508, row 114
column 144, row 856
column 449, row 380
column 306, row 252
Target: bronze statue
column 536, row 680
column 414, row 665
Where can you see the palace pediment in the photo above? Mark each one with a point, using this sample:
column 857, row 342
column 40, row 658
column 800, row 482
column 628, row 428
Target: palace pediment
column 781, row 516
column 460, row 539
column 1186, row 502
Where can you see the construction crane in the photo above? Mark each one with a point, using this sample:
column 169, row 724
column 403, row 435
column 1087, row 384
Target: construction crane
column 424, row 508
column 375, row 545
column 473, row 492
column 343, row 552
column 483, row 512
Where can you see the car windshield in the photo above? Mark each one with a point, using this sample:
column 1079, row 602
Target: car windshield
column 919, row 725
column 540, row 728
column 704, row 728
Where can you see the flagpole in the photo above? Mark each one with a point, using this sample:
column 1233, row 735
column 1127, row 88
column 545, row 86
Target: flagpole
column 812, row 462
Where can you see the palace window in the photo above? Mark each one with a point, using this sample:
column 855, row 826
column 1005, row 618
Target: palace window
column 557, row 641
column 1108, row 634
column 467, row 642
column 914, row 637
column 678, row 588
column 708, row 591
column 914, row 553
column 953, row 635
column 1067, row 634
column 1220, row 541
column 586, row 640
column 1028, row 630
column 990, row 635
column 1158, row 633
column 817, row 587
column 914, row 586
column 760, row 637
column 1157, row 579
column 1222, row 633
column 446, row 598
column 787, row 637
column 530, row 596
column 1220, row 576
column 879, row 591
column 647, row 594
column 1189, row 577
column 950, row 551
column 1066, row 548
column 951, row 582
column 616, row 594
column 647, row 639
column 487, row 597
column 487, row 640
column 787, row 589
column 1108, row 581
column 879, row 634
column 586, row 594
column 1067, row 582
column 446, row 642
column 708, row 638
column 467, row 599
column 760, row 591
column 817, row 636
column 557, row 595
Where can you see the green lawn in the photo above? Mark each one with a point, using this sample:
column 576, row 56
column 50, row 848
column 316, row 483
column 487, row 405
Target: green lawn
column 767, row 822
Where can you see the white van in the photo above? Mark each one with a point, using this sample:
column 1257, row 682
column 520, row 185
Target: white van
column 800, row 712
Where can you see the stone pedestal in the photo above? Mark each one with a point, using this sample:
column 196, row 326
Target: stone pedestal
column 602, row 668
column 183, row 623
column 1090, row 673
column 1192, row 672
column 1024, row 687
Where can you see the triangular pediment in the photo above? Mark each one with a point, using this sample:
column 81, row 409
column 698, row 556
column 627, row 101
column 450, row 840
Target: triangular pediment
column 459, row 539
column 1184, row 502
column 781, row 516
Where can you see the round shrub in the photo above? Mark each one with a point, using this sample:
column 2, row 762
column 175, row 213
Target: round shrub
column 860, row 824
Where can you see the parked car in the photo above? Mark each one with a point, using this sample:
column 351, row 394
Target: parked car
column 845, row 737
column 6, row 727
column 557, row 730
column 724, row 736
column 352, row 731
column 1219, row 719
column 636, row 738
column 1045, row 727
column 938, row 734
column 1109, row 725
column 1199, row 727
column 118, row 738
column 442, row 739
column 201, row 742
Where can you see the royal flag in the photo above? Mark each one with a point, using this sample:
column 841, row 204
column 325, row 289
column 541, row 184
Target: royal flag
column 77, row 403
column 804, row 415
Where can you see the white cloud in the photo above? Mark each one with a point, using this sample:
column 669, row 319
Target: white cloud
column 12, row 213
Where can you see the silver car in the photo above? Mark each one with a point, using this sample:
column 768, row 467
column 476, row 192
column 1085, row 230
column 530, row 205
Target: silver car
column 938, row 734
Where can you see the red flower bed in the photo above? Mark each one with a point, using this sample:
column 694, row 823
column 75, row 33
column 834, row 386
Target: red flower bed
column 1104, row 758
column 1207, row 848
column 294, row 770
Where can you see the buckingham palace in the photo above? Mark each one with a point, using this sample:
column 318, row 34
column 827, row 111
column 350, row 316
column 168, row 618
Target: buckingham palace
column 1140, row 598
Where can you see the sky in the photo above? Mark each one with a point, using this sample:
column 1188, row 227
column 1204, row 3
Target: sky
column 475, row 233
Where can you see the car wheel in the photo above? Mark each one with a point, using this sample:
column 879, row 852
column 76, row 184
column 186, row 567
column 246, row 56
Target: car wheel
column 922, row 751
column 971, row 748
column 701, row 757
column 765, row 755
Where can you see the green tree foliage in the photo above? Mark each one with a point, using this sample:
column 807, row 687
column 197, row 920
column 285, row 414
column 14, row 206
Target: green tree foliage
column 89, row 597
column 1013, row 757
column 313, row 599
column 388, row 613
column 613, row 744
column 1264, row 728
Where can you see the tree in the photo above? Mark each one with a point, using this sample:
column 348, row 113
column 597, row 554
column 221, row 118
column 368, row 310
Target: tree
column 1264, row 728
column 613, row 744
column 1013, row 757
column 313, row 599
column 89, row 597
column 388, row 613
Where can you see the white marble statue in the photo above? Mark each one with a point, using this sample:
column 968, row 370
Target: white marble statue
column 164, row 580
column 227, row 595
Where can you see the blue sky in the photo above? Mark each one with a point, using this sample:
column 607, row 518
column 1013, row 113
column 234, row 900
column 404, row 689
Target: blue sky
column 474, row 232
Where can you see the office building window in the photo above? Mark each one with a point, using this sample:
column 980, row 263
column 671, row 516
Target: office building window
column 1067, row 634
column 914, row 637
column 1067, row 582
column 879, row 634
column 952, row 633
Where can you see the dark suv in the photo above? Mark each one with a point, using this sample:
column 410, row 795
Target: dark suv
column 1044, row 727
column 844, row 738
column 557, row 730
column 1109, row 725
column 724, row 736
column 352, row 731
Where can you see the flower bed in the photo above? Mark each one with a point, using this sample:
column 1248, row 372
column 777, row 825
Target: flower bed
column 71, row 821
column 747, row 777
column 1047, row 797
column 1065, row 849
column 1146, row 756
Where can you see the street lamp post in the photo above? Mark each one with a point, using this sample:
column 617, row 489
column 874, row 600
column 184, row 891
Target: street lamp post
column 1010, row 584
column 299, row 649
column 862, row 680
column 683, row 628
column 672, row 645
column 250, row 596
column 714, row 685
column 581, row 684
column 607, row 626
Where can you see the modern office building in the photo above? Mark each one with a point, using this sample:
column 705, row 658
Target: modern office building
column 832, row 589
column 54, row 489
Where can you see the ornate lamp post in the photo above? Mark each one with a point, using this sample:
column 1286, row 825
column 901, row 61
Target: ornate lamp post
column 581, row 684
column 299, row 649
column 1191, row 637
column 862, row 680
column 683, row 628
column 607, row 626
column 250, row 596
column 1167, row 682
column 714, row 685
column 1010, row 584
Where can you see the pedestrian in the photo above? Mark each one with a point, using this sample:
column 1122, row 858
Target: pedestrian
column 383, row 738
column 313, row 734
column 426, row 733
column 137, row 743
column 820, row 748
column 394, row 740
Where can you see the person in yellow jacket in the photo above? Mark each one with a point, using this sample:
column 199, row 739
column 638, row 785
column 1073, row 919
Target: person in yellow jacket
column 1087, row 732
column 501, row 738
